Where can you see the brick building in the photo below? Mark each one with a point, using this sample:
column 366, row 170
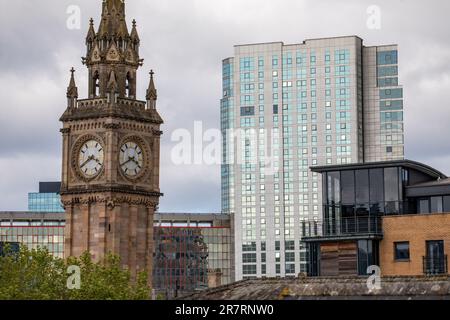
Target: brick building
column 393, row 214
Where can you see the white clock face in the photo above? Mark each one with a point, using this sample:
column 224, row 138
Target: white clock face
column 131, row 159
column 90, row 159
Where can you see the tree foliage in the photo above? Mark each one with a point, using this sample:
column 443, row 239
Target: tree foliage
column 37, row 275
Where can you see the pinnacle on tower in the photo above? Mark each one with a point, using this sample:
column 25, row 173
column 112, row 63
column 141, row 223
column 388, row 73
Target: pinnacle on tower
column 113, row 23
column 134, row 34
column 112, row 83
column 152, row 94
column 91, row 32
column 151, row 91
column 72, row 90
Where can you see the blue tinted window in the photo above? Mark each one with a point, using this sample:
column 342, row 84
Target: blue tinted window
column 387, row 82
column 391, row 93
column 391, row 105
column 247, row 111
column 391, row 116
column 387, row 57
column 387, row 71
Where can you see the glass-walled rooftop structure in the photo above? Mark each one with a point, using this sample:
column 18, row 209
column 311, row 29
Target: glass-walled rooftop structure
column 355, row 198
column 47, row 199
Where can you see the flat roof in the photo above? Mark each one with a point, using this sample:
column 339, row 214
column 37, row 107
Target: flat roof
column 299, row 43
column 29, row 215
column 383, row 164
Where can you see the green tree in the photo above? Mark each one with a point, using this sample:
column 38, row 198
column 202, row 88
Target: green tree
column 37, row 275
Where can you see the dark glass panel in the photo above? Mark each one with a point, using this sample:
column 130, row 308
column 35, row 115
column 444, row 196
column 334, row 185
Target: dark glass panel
column 348, row 187
column 391, row 184
column 401, row 250
column 367, row 255
column 435, row 260
column 362, row 257
column 447, row 204
column 436, row 204
column 376, row 186
column 362, row 186
column 424, row 205
column 348, row 219
column 362, row 218
column 331, row 218
column 333, row 187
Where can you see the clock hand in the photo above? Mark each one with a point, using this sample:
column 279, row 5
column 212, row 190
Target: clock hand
column 87, row 161
column 129, row 159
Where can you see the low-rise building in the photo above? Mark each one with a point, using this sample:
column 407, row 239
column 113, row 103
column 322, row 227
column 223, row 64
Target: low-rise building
column 34, row 230
column 192, row 251
column 393, row 214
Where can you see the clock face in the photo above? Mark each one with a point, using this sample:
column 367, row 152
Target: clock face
column 90, row 159
column 131, row 159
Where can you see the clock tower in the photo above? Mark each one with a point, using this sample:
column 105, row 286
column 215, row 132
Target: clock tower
column 111, row 150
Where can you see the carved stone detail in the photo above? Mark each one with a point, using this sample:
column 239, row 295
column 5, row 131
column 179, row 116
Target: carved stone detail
column 112, row 126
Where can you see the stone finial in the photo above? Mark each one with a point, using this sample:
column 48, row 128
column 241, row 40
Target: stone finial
column 72, row 90
column 151, row 91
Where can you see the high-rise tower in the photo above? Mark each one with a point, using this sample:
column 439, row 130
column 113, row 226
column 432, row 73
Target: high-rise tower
column 111, row 149
column 319, row 102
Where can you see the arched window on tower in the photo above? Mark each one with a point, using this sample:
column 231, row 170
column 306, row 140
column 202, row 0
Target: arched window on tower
column 95, row 84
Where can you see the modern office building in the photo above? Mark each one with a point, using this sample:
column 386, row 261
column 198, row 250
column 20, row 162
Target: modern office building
column 286, row 108
column 34, row 230
column 47, row 199
column 192, row 252
column 392, row 214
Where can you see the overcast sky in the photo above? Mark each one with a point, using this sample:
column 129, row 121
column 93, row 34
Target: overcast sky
column 184, row 41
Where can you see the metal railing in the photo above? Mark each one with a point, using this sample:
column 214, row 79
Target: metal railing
column 342, row 226
column 435, row 266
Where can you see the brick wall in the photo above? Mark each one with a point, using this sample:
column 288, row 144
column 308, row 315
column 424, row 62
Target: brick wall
column 416, row 229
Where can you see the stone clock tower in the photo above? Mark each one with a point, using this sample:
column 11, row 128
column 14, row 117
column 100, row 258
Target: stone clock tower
column 111, row 150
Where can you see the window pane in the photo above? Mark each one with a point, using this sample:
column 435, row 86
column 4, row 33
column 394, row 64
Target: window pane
column 376, row 186
column 424, row 206
column 333, row 188
column 391, row 185
column 348, row 187
column 362, row 256
column 446, row 204
column 401, row 250
column 436, row 204
column 362, row 186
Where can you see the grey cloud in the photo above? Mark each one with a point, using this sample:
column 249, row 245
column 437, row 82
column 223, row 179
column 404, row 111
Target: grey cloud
column 184, row 41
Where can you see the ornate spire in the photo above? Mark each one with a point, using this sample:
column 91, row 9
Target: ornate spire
column 91, row 32
column 152, row 94
column 151, row 91
column 72, row 90
column 112, row 83
column 134, row 34
column 113, row 23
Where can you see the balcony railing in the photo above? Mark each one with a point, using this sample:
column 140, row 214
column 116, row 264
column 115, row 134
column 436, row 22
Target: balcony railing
column 435, row 266
column 343, row 226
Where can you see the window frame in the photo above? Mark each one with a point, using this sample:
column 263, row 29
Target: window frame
column 396, row 256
